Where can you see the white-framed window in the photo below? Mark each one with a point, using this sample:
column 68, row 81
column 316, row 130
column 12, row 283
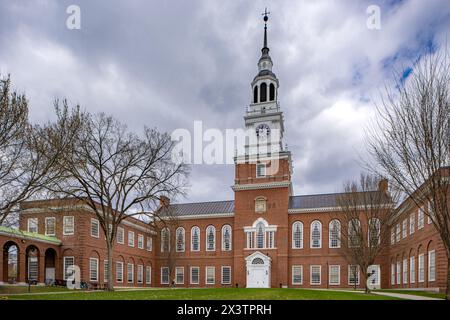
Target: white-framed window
column 226, row 238
column 93, row 269
column 105, row 270
column 210, row 238
column 270, row 239
column 140, row 273
column 68, row 262
column 119, row 271
column 210, row 275
column 165, row 275
column 412, row 270
column 432, row 265
column 95, row 228
column 430, row 212
column 131, row 238
column 260, row 235
column 140, row 241
column 353, row 274
column 165, row 240
column 50, row 226
column 195, row 238
column 130, row 272
column 180, row 234
column 297, row 275
column 120, row 235
column 334, row 277
column 226, row 275
column 315, row 275
column 316, row 234
column 297, row 235
column 392, row 274
column 412, row 223
column 374, row 232
column 68, row 225
column 260, row 170
column 421, row 267
column 354, row 233
column 195, row 275
column 250, row 239
column 33, row 225
column 399, row 273
column 148, row 274
column 405, row 271
column 397, row 232
column 404, row 228
column 392, row 236
column 420, row 219
column 149, row 243
column 179, row 275
column 334, row 234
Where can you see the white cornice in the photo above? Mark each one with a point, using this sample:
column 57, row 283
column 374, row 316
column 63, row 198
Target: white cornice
column 328, row 209
column 267, row 185
column 22, row 236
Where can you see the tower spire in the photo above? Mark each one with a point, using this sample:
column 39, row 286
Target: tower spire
column 265, row 49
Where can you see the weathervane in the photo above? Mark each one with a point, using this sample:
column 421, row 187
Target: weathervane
column 266, row 17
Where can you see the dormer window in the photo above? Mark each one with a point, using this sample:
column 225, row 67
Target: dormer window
column 260, row 170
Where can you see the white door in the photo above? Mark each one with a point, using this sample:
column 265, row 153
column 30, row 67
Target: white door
column 258, row 277
column 49, row 275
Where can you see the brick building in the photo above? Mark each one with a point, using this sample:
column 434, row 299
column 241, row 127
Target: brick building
column 265, row 237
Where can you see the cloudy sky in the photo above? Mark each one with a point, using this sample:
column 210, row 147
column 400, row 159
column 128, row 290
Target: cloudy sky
column 167, row 63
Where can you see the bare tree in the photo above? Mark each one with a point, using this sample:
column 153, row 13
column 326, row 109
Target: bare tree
column 119, row 174
column 410, row 140
column 366, row 211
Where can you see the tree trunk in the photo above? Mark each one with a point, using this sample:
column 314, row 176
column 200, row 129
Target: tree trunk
column 110, row 267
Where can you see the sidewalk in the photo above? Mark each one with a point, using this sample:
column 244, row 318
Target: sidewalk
column 404, row 296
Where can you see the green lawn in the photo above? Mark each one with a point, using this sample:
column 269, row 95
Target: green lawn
column 206, row 294
column 417, row 293
column 33, row 289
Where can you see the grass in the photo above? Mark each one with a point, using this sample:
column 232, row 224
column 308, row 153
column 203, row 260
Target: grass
column 417, row 293
column 206, row 294
column 33, row 289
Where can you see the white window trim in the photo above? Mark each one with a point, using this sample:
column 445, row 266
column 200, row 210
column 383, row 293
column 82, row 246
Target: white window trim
column 430, row 279
column 105, row 275
column 339, row 235
column 140, row 241
column 132, row 273
column 121, row 270
column 293, row 235
column 168, row 275
column 190, row 275
column 37, row 224
column 264, row 170
column 412, row 269
column 148, row 280
column 64, row 226
column 412, row 223
column 357, row 273
column 421, row 257
column 206, row 275
column 140, row 272
column 405, row 271
column 149, row 247
column 65, row 265
column 54, row 226
column 183, row 245
column 120, row 229
column 227, row 226
column 339, row 275
column 221, row 275
column 90, row 269
column 93, row 221
column 301, row 275
column 311, row 235
column 130, row 244
column 176, row 275
column 192, row 238
column 311, row 272
column 206, row 238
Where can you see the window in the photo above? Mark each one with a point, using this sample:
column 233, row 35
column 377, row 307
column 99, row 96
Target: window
column 250, row 240
column 392, row 274
column 420, row 219
column 316, row 234
column 421, row 267
column 105, row 270
column 392, row 236
column 334, row 275
column 404, row 228
column 255, row 95
column 120, row 235
column 93, row 269
column 95, row 232
column 179, row 275
column 68, row 262
column 68, row 225
column 260, row 170
column 260, row 205
column 260, row 233
column 412, row 223
column 272, row 92
column 210, row 275
column 399, row 275
column 354, row 233
column 149, row 243
column 119, row 271
column 195, row 239
column 50, row 228
column 263, row 96
column 140, row 241
column 33, row 225
column 297, row 235
column 374, row 232
column 405, row 271
column 148, row 275
column 210, row 238
column 164, row 275
column 226, row 238
column 297, row 275
column 195, row 275
column 412, row 270
column 353, row 275
column 130, row 272
column 180, row 239
column 315, row 275
column 226, row 275
column 334, row 234
column 397, row 233
column 432, row 265
column 165, row 240
column 271, row 239
column 430, row 212
column 140, row 273
column 130, row 238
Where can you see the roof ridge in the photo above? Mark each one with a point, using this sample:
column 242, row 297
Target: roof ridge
column 201, row 202
column 329, row 194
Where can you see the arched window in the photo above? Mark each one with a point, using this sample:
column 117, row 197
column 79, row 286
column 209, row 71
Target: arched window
column 165, row 240
column 374, row 232
column 226, row 238
column 195, row 238
column 255, row 94
column 258, row 261
column 210, row 238
column 271, row 92
column 316, row 234
column 354, row 233
column 297, row 235
column 260, row 235
column 334, row 234
column 263, row 96
column 180, row 239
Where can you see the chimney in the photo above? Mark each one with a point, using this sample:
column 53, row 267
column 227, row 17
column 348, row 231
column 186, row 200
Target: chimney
column 383, row 185
column 164, row 202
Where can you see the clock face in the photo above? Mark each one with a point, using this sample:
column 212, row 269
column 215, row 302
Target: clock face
column 262, row 131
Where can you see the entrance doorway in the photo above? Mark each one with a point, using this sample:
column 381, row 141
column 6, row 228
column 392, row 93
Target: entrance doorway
column 258, row 270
